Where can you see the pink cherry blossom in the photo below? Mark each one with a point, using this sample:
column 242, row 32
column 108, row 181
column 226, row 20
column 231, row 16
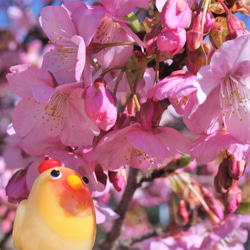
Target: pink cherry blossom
column 181, row 241
column 228, row 235
column 57, row 111
column 67, row 60
column 139, row 148
column 106, row 28
column 178, row 87
column 104, row 212
column 110, row 31
column 83, row 17
column 223, row 92
column 208, row 147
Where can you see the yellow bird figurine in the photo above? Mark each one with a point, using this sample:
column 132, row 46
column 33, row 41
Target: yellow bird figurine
column 59, row 213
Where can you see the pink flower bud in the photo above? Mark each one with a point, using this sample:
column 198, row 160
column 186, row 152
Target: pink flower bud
column 118, row 179
column 232, row 198
column 100, row 105
column 194, row 35
column 176, row 14
column 124, row 119
column 216, row 208
column 234, row 25
column 171, row 41
column 16, row 189
column 236, row 169
column 150, row 114
column 182, row 216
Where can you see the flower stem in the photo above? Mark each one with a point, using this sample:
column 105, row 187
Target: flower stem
column 137, row 104
column 206, row 2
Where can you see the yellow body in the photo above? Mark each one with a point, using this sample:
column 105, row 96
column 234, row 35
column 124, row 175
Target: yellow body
column 58, row 215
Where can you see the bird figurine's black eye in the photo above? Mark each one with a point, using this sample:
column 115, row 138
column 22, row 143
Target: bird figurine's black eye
column 55, row 174
column 85, row 179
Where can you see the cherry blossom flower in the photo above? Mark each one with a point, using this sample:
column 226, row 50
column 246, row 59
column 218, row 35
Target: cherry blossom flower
column 228, row 235
column 139, row 147
column 219, row 143
column 223, row 92
column 67, row 60
column 178, row 87
column 111, row 31
column 57, row 111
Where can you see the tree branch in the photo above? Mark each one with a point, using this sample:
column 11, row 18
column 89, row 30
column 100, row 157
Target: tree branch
column 110, row 243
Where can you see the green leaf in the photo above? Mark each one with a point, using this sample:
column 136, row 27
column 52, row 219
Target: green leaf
column 135, row 25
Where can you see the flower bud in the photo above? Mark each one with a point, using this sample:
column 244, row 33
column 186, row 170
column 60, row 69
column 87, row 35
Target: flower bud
column 232, row 198
column 176, row 14
column 207, row 48
column 182, row 216
column 196, row 59
column 17, row 189
column 216, row 208
column 222, row 180
column 100, row 105
column 234, row 25
column 218, row 33
column 126, row 116
column 150, row 114
column 118, row 179
column 171, row 41
column 236, row 168
column 194, row 35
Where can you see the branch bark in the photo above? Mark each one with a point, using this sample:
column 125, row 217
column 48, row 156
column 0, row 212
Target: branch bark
column 111, row 243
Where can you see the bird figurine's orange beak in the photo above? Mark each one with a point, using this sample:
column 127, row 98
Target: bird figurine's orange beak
column 74, row 182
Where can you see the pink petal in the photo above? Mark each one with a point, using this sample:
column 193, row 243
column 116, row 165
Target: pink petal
column 24, row 76
column 226, row 59
column 207, row 117
column 123, row 7
column 56, row 24
column 147, row 142
column 85, row 17
column 173, row 140
column 42, row 93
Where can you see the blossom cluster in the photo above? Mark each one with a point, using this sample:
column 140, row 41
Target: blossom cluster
column 159, row 88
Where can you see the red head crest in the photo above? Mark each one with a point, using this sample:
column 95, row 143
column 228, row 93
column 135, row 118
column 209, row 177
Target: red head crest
column 47, row 164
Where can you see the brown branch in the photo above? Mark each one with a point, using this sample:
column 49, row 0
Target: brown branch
column 135, row 179
column 110, row 243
